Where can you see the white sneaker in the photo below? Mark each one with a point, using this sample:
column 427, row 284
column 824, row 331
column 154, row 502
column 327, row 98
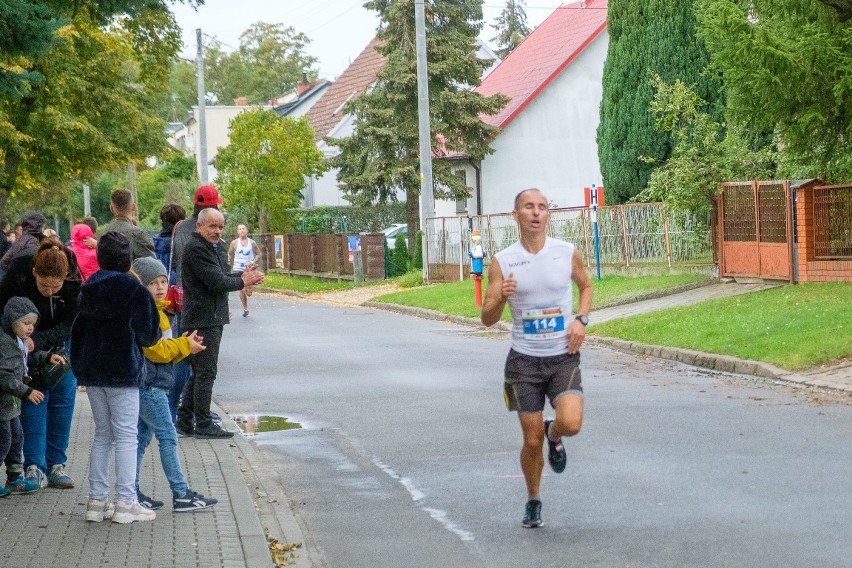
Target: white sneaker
column 98, row 510
column 36, row 475
column 130, row 512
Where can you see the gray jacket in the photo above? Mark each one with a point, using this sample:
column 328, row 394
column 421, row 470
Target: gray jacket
column 143, row 243
column 12, row 387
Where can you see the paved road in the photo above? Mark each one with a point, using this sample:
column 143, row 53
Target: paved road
column 408, row 458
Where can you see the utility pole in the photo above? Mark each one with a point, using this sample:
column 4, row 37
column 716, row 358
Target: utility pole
column 202, row 119
column 427, row 197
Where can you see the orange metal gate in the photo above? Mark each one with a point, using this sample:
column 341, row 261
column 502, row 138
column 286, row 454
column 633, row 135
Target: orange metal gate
column 755, row 230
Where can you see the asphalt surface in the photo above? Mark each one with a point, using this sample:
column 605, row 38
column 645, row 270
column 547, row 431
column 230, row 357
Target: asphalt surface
column 406, row 456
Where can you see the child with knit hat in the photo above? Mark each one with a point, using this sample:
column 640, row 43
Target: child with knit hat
column 19, row 320
column 155, row 417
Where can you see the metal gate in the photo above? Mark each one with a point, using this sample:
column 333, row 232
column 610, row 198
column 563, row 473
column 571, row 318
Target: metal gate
column 755, row 230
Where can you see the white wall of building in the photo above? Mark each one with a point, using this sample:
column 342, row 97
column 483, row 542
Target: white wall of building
column 551, row 143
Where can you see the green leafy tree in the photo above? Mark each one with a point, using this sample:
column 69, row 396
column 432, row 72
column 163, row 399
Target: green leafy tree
column 787, row 65
column 704, row 153
column 174, row 181
column 382, row 155
column 511, row 27
column 87, row 103
column 646, row 38
column 263, row 167
column 269, row 63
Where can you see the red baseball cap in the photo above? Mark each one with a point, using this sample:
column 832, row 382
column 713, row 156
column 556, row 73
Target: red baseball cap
column 207, row 196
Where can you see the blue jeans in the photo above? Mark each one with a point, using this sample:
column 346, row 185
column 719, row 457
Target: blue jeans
column 180, row 370
column 116, row 414
column 47, row 426
column 156, row 420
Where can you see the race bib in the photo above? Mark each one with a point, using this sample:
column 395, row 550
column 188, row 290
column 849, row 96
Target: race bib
column 544, row 323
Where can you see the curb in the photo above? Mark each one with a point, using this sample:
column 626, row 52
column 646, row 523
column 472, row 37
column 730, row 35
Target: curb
column 263, row 505
column 712, row 361
column 252, row 535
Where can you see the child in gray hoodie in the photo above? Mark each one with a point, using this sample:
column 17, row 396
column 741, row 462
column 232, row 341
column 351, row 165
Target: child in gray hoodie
column 19, row 320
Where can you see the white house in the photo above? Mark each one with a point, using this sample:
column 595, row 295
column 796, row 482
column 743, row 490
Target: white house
column 328, row 119
column 548, row 128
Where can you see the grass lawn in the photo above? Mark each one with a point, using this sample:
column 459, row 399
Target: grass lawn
column 305, row 284
column 457, row 298
column 793, row 327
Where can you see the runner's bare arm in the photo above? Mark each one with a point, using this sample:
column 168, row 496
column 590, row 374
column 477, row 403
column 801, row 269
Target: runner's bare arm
column 584, row 284
column 577, row 331
column 496, row 294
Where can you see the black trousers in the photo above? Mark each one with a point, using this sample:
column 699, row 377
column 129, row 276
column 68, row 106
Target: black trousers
column 198, row 391
column 11, row 446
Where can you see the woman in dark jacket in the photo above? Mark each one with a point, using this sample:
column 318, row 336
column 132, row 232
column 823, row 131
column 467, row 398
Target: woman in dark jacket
column 51, row 280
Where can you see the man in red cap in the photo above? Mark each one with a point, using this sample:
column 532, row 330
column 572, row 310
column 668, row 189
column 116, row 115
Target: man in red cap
column 206, row 197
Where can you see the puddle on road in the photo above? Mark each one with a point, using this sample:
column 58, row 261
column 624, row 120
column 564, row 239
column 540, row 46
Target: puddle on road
column 253, row 424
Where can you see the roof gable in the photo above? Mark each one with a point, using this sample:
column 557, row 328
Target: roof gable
column 361, row 73
column 542, row 56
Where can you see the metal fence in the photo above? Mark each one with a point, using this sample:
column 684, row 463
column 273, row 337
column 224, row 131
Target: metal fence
column 833, row 222
column 628, row 235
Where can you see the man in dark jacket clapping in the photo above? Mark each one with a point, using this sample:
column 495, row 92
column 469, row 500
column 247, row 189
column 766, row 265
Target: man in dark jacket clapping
column 206, row 280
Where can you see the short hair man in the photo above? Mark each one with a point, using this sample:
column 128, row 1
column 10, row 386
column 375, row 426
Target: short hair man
column 123, row 210
column 535, row 277
column 207, row 279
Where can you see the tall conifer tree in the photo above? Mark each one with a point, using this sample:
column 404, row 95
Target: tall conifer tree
column 511, row 27
column 646, row 38
column 382, row 155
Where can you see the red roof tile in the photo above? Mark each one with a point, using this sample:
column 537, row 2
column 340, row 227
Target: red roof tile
column 542, row 56
column 361, row 73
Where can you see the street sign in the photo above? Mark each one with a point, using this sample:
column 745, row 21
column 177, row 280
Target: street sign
column 594, row 196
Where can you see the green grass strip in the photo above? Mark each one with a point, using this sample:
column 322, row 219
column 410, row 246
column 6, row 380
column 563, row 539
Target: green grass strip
column 457, row 298
column 793, row 326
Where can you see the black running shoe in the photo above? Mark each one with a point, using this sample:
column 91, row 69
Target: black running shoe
column 183, row 430
column 148, row 502
column 556, row 454
column 532, row 515
column 212, row 432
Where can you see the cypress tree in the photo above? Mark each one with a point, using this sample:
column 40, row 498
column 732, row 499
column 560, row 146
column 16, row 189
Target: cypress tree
column 652, row 37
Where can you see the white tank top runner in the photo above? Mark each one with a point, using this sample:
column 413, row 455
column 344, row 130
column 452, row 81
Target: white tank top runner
column 243, row 255
column 542, row 303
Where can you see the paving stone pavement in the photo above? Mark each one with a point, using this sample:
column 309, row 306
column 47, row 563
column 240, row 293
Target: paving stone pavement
column 48, row 527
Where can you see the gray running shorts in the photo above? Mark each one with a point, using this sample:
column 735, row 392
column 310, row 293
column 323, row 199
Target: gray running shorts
column 529, row 379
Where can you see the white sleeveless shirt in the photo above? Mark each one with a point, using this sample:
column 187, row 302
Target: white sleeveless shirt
column 243, row 255
column 542, row 303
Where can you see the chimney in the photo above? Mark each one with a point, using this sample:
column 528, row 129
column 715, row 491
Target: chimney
column 241, row 101
column 303, row 85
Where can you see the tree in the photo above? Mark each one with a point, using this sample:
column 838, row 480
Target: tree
column 511, row 27
column 705, row 153
column 382, row 155
column 646, row 38
column 787, row 64
column 265, row 164
column 269, row 63
column 87, row 102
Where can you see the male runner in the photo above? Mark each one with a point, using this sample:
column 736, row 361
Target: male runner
column 534, row 275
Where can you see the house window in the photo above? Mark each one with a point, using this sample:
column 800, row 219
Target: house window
column 461, row 204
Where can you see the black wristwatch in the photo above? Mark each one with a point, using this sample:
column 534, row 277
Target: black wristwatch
column 582, row 319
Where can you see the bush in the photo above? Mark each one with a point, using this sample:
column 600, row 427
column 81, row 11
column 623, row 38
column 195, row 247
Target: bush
column 398, row 257
column 411, row 279
column 417, row 259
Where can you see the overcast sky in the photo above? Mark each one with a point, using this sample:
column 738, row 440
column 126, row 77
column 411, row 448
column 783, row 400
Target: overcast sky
column 338, row 29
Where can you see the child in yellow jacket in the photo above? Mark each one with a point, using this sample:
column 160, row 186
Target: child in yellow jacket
column 155, row 418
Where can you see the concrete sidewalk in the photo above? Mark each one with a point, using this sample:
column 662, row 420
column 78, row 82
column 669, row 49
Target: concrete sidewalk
column 48, row 527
